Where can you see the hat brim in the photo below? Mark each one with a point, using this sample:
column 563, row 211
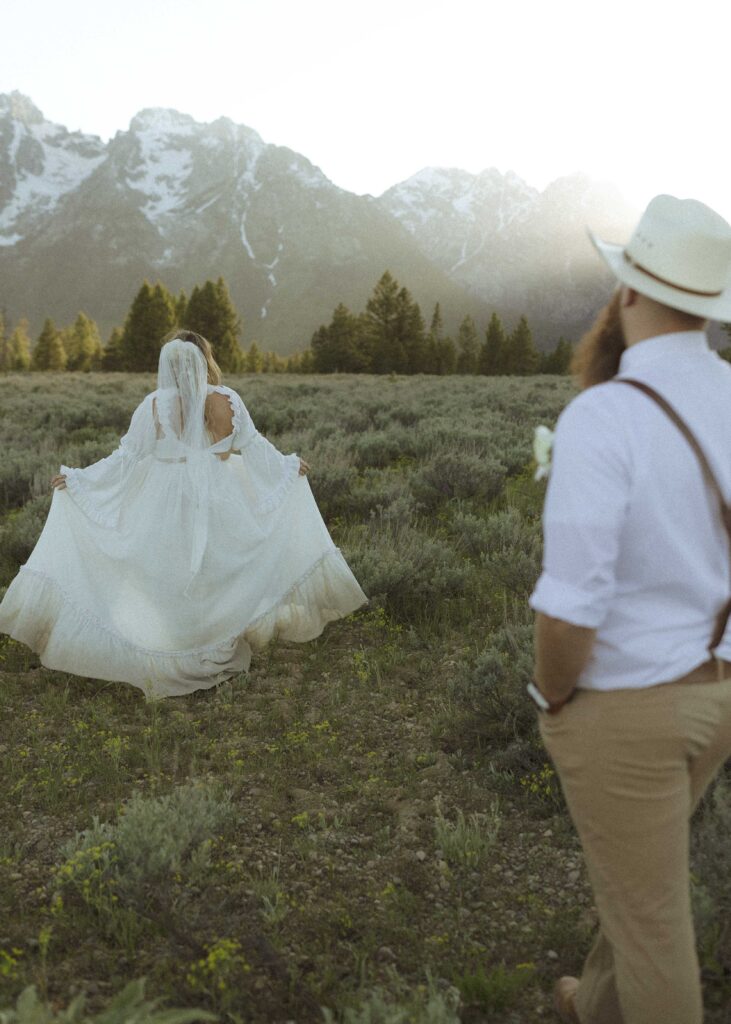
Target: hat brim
column 715, row 307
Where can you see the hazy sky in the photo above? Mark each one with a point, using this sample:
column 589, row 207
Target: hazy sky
column 634, row 92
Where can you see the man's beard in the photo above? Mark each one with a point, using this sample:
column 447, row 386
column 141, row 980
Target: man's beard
column 596, row 357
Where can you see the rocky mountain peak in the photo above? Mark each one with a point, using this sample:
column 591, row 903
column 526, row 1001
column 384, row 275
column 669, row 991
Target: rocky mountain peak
column 180, row 200
column 19, row 107
column 161, row 121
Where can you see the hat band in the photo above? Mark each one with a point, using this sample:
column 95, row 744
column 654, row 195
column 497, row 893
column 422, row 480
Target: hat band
column 670, row 284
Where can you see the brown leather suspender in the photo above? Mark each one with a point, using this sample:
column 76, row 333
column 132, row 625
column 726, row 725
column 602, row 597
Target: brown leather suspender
column 711, row 479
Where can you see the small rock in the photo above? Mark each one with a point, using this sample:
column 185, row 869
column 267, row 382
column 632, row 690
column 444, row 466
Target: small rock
column 420, row 855
column 574, row 876
column 552, row 954
column 386, row 954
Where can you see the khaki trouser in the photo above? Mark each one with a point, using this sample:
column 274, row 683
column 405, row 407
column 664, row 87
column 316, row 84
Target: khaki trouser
column 633, row 766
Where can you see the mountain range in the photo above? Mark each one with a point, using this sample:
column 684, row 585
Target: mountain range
column 83, row 222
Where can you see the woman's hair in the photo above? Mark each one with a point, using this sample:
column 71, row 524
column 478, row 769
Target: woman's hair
column 214, row 370
column 596, row 357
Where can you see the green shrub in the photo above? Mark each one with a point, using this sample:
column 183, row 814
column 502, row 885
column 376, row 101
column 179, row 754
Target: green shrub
column 427, row 1005
column 711, row 840
column 128, row 1007
column 495, row 991
column 466, row 841
column 509, row 546
column 381, row 493
column 19, row 534
column 460, row 474
column 498, row 717
column 332, row 477
column 153, row 840
column 378, row 449
column 409, row 572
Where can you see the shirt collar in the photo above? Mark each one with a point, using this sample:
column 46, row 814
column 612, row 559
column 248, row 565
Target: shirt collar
column 679, row 344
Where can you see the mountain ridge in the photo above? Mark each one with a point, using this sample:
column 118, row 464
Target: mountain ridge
column 83, row 222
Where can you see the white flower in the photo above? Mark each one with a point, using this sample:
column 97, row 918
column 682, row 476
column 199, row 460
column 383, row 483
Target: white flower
column 542, row 448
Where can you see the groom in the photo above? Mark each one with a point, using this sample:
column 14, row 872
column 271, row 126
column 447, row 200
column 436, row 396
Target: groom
column 633, row 686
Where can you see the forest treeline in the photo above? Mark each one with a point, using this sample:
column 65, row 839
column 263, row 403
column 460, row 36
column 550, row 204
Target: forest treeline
column 389, row 336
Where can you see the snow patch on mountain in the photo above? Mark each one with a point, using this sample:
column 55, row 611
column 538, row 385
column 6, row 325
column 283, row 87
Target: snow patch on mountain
column 308, row 175
column 244, row 239
column 43, row 163
column 164, row 163
column 162, row 178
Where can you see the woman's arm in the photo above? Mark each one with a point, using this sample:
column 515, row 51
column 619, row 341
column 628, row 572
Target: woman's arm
column 97, row 489
column 268, row 468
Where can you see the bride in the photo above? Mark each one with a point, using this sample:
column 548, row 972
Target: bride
column 164, row 564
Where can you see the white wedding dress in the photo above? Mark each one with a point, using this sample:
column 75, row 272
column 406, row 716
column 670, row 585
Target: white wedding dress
column 164, row 564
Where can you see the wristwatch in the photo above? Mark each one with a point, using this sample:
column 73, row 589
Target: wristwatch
column 550, row 707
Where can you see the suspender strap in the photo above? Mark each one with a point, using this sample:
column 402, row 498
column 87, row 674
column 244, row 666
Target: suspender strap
column 711, row 479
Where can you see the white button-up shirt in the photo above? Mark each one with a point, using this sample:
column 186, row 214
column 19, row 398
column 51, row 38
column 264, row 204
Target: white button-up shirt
column 634, row 544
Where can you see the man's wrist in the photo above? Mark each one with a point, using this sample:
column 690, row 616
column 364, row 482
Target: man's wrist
column 539, row 698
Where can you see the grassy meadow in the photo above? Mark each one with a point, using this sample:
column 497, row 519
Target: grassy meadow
column 364, row 829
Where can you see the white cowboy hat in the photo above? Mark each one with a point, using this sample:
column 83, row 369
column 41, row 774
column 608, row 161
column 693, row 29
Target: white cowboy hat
column 679, row 254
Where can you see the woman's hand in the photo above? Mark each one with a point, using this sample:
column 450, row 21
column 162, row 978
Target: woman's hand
column 304, row 468
column 58, row 482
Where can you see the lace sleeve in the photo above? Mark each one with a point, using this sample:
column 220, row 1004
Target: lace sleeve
column 271, row 472
column 98, row 489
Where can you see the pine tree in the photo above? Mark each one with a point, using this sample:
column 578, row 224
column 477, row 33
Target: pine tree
column 432, row 343
column 150, row 318
column 437, row 326
column 273, row 363
column 491, row 359
column 4, row 343
column 15, row 350
column 445, row 352
column 559, row 360
column 300, row 362
column 211, row 312
column 49, row 353
column 381, row 317
column 113, row 356
column 253, row 360
column 393, row 329
column 340, row 346
column 306, row 363
column 468, row 347
column 410, row 331
column 181, row 305
column 84, row 347
column 522, row 355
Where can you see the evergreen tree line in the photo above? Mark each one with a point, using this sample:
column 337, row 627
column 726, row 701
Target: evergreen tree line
column 390, row 336
column 135, row 347
column 76, row 347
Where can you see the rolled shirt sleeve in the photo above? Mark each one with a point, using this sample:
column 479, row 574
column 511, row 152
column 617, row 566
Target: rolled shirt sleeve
column 584, row 512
